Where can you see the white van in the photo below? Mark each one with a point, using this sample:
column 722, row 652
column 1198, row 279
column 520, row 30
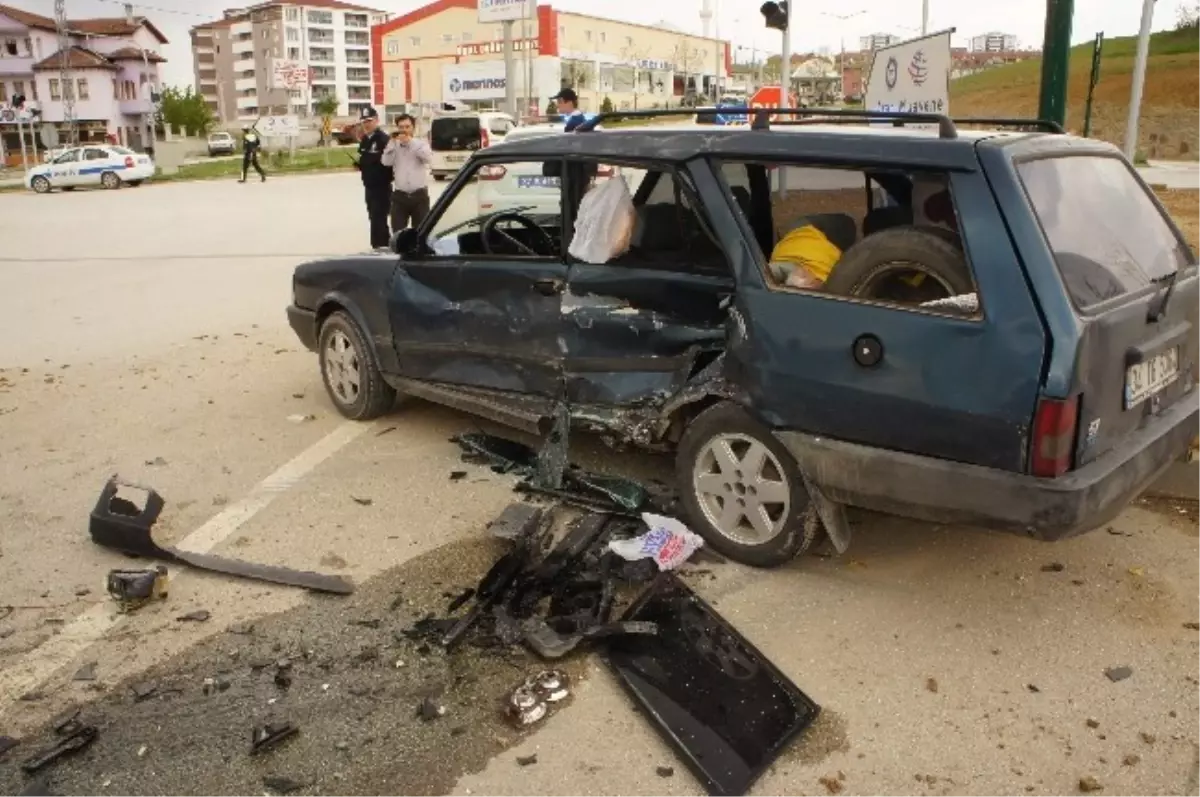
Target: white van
column 453, row 137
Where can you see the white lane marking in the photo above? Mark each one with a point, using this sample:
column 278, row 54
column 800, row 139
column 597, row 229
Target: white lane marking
column 38, row 665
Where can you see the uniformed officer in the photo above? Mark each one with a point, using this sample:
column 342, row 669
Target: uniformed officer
column 376, row 178
column 250, row 146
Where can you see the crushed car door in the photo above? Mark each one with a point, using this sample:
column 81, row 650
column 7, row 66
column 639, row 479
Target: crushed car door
column 635, row 327
column 479, row 304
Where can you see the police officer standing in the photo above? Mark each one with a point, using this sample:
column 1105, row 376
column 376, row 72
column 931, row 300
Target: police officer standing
column 250, row 146
column 376, row 178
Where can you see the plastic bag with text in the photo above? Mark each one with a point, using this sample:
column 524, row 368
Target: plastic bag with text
column 668, row 542
column 604, row 225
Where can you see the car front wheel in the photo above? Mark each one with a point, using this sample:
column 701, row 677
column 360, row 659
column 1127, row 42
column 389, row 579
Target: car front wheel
column 41, row 185
column 742, row 490
column 350, row 371
column 110, row 180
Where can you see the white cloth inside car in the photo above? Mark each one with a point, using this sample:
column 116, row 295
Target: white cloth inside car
column 604, row 225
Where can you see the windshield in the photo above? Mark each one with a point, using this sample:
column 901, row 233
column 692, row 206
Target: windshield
column 1106, row 233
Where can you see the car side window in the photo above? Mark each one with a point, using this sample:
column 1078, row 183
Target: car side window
column 92, row 154
column 880, row 236
column 68, row 157
column 502, row 210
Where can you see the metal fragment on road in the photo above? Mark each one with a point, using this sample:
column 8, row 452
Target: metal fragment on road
column 550, row 685
column 1116, row 674
column 198, row 616
column 267, row 736
column 525, row 706
column 68, row 745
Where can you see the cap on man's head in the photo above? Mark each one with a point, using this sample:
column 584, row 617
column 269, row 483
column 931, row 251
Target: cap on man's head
column 566, row 95
column 369, row 113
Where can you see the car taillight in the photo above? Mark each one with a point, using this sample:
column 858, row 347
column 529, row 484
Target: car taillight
column 492, row 172
column 128, row 161
column 1054, row 427
column 605, row 171
column 484, row 139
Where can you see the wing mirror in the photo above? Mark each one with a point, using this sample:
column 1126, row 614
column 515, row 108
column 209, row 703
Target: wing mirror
column 406, row 241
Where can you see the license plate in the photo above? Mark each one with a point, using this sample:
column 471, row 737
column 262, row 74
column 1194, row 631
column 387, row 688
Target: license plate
column 456, row 158
column 537, row 181
column 1144, row 379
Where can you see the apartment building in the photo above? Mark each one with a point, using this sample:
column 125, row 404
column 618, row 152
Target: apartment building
column 876, row 41
column 112, row 75
column 235, row 57
column 994, row 42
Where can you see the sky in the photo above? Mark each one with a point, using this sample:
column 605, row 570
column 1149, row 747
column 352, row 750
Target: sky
column 817, row 27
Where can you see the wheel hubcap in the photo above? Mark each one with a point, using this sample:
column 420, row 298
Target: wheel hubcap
column 342, row 370
column 742, row 489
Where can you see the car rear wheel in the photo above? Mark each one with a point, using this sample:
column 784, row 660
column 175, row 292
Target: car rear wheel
column 742, row 490
column 350, row 371
column 41, row 185
column 110, row 180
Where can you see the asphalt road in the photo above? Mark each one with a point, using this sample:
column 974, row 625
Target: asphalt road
column 145, row 335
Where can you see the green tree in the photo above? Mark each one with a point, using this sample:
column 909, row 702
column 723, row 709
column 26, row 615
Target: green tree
column 326, row 107
column 607, row 105
column 185, row 111
column 551, row 108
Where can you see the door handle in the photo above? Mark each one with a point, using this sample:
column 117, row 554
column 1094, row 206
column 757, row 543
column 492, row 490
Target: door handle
column 548, row 287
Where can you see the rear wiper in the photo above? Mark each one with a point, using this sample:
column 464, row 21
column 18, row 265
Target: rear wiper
column 1170, row 279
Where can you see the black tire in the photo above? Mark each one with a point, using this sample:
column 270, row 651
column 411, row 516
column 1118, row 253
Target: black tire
column 40, row 184
column 374, row 397
column 799, row 531
column 110, row 180
column 868, row 270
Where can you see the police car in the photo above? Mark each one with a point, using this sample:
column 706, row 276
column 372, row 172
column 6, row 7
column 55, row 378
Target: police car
column 104, row 165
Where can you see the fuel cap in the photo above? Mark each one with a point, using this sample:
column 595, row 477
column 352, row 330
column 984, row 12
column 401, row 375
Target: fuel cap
column 868, row 351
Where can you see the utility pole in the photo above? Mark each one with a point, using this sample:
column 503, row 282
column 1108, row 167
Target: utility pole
column 510, row 85
column 1056, row 55
column 64, row 71
column 1139, row 80
column 924, row 17
column 718, row 48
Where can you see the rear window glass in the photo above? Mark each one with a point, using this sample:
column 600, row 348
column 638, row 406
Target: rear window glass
column 456, row 133
column 1106, row 233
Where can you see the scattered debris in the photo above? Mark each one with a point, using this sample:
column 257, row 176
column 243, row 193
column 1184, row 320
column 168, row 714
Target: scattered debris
column 198, row 616
column 265, row 737
column 1131, row 760
column 1093, row 723
column 1192, row 626
column 698, row 673
column 156, row 462
column 518, row 520
column 82, row 592
column 141, row 753
column 282, row 785
column 1116, row 674
column 117, row 523
column 665, row 772
column 832, row 784
column 283, row 679
column 133, row 589
column 1054, row 567
column 67, row 745
column 361, row 501
column 527, row 760
column 1137, row 572
column 1148, row 738
column 1032, row 688
column 301, row 418
column 37, row 787
column 86, row 673
column 241, row 629
column 384, row 431
column 931, row 685
column 431, row 709
column 459, row 600
column 67, row 723
column 525, row 707
column 1089, row 784
column 457, row 475
column 7, row 743
column 668, row 542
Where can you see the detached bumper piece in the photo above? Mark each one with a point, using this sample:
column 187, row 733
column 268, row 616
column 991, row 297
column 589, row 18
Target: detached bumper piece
column 715, row 698
column 117, row 523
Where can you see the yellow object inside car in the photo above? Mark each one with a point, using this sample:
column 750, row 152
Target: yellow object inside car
column 807, row 247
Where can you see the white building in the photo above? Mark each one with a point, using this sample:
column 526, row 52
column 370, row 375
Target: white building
column 235, row 57
column 875, row 41
column 994, row 42
column 111, row 76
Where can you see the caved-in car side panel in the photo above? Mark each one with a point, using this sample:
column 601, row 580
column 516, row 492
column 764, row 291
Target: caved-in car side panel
column 360, row 285
column 632, row 334
column 954, row 388
column 424, row 317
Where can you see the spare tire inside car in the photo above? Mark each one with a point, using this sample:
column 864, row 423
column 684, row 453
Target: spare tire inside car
column 884, row 267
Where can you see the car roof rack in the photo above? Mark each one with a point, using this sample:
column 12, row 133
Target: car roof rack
column 761, row 120
column 1040, row 125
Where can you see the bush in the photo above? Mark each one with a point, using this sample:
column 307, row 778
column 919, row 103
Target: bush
column 607, row 106
column 551, row 108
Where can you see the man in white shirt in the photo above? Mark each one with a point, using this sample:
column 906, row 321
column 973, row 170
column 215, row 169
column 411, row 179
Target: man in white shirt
column 409, row 159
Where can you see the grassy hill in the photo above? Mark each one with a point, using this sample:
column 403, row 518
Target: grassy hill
column 1170, row 116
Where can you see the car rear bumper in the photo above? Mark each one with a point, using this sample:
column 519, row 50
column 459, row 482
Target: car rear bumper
column 948, row 492
column 304, row 324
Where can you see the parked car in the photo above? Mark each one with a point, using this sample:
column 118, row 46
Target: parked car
column 729, row 110
column 1007, row 343
column 454, row 136
column 91, row 165
column 221, row 143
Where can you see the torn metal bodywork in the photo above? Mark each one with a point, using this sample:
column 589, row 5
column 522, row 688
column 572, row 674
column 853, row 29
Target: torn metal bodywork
column 117, row 523
column 725, row 708
column 79, row 737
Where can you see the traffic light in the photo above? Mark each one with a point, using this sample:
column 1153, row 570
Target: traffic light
column 776, row 14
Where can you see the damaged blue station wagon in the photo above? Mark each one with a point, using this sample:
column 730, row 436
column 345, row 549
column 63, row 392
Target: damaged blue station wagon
column 995, row 328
